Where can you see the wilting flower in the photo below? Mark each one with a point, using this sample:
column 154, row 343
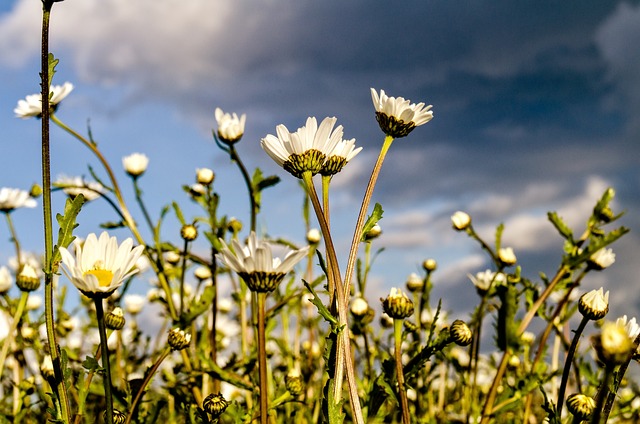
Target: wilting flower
column 100, row 265
column 135, row 164
column 256, row 264
column 460, row 220
column 602, row 259
column 72, row 186
column 230, row 127
column 396, row 116
column 336, row 160
column 306, row 149
column 31, row 106
column 594, row 305
column 14, row 198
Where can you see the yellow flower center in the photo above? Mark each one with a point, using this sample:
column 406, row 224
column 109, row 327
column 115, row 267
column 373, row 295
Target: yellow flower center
column 104, row 276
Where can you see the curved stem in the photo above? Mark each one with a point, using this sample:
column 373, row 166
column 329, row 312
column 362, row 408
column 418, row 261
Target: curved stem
column 262, row 359
column 145, row 383
column 105, row 361
column 8, row 341
column 143, row 207
column 357, row 233
column 404, row 403
column 59, row 388
column 567, row 365
column 16, row 243
column 247, row 179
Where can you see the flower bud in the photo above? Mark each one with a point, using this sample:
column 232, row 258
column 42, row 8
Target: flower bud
column 359, row 307
column 460, row 220
column 397, row 305
column 215, row 405
column 429, row 265
column 189, row 232
column 202, row 273
column 506, row 256
column 197, row 190
column 414, row 282
column 234, row 226
column 115, row 320
column 602, row 259
column 135, row 164
column 373, row 233
column 205, row 176
column 581, row 406
column 460, row 334
column 178, row 339
column 294, row 383
column 36, row 191
column 118, row 417
column 172, row 257
column 613, row 345
column 313, row 236
column 28, row 280
column 594, row 305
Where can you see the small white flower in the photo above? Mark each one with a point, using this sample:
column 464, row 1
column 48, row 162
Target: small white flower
column 483, row 280
column 506, row 256
column 31, row 106
column 632, row 327
column 398, row 117
column 133, row 303
column 230, row 127
column 101, row 265
column 340, row 155
column 72, row 186
column 135, row 164
column 14, row 198
column 204, row 176
column 305, row 150
column 460, row 220
column 602, row 259
column 255, row 262
column 5, row 279
column 313, row 236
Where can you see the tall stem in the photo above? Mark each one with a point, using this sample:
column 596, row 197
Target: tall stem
column 404, row 403
column 59, row 388
column 357, row 233
column 567, row 365
column 262, row 359
column 245, row 175
column 105, row 361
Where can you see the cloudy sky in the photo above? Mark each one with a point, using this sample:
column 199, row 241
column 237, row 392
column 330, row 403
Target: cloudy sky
column 535, row 102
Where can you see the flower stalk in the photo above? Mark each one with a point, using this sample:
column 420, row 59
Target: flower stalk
column 404, row 403
column 106, row 378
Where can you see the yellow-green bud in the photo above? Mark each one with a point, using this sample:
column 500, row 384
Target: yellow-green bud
column 115, row 319
column 581, row 406
column 189, row 232
column 460, row 334
column 36, row 191
column 234, row 226
column 215, row 405
column 397, row 305
column 28, row 280
column 178, row 339
column 293, row 383
column 429, row 265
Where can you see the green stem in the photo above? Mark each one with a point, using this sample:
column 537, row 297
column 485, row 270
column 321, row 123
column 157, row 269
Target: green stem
column 567, row 365
column 404, row 403
column 143, row 208
column 59, row 388
column 8, row 341
column 105, row 361
column 357, row 233
column 247, row 179
column 145, row 383
column 182, row 275
column 601, row 396
column 14, row 239
column 262, row 359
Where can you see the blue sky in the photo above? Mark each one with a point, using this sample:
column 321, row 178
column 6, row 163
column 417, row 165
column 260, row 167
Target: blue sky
column 535, row 106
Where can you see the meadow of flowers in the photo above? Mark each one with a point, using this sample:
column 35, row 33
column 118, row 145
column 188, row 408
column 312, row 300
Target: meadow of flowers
column 257, row 328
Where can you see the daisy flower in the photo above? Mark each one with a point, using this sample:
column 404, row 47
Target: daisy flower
column 230, row 126
column 14, row 198
column 31, row 106
column 397, row 116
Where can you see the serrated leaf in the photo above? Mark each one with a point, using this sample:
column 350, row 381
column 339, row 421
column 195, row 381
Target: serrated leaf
column 322, row 310
column 67, row 224
column 90, row 364
column 372, row 220
column 562, row 228
column 53, row 62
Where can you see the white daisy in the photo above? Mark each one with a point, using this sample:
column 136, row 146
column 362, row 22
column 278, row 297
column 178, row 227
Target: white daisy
column 31, row 106
column 398, row 117
column 344, row 151
column 256, row 265
column 100, row 265
column 72, row 186
column 230, row 126
column 135, row 164
column 14, row 198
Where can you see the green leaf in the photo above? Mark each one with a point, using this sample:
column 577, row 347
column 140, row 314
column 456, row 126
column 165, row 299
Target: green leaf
column 178, row 212
column 372, row 220
column 90, row 364
column 322, row 310
column 562, row 228
column 499, row 230
column 53, row 62
column 67, row 224
column 198, row 307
